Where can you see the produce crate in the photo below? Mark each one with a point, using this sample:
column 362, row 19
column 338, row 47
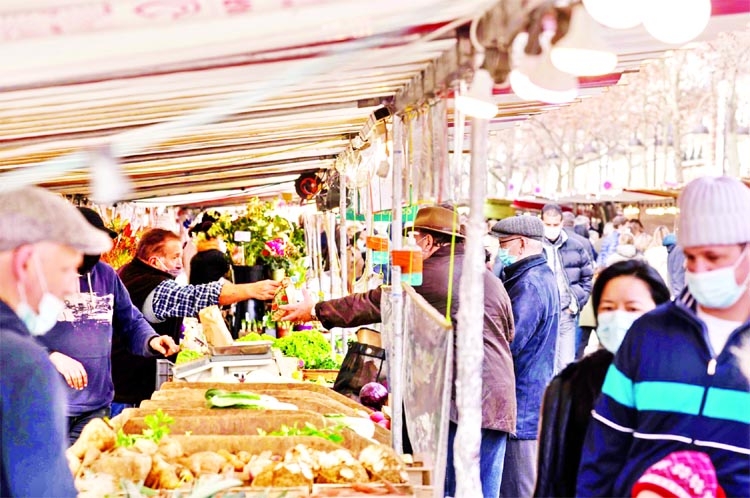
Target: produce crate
column 370, row 489
column 262, row 387
column 243, row 423
column 313, row 375
column 253, row 444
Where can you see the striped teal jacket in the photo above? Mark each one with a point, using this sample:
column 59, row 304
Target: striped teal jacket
column 666, row 391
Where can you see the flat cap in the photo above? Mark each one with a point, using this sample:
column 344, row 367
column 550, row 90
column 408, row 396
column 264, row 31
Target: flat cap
column 527, row 226
column 31, row 214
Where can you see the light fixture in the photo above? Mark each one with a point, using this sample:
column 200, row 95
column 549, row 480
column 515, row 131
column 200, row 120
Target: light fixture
column 677, row 21
column 109, row 184
column 478, row 103
column 617, row 14
column 583, row 51
column 543, row 82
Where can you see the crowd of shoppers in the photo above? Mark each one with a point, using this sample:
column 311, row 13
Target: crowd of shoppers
column 665, row 391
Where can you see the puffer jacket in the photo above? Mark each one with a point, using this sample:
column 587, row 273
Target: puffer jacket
column 532, row 288
column 498, row 380
column 579, row 269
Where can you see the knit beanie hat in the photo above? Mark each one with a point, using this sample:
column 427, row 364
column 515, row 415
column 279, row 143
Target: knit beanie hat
column 681, row 474
column 714, row 211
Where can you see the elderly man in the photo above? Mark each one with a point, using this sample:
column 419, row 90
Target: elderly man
column 80, row 344
column 41, row 240
column 676, row 382
column 149, row 278
column 433, row 230
column 535, row 300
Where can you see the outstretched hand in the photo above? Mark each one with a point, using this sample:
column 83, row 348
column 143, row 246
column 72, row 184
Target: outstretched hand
column 300, row 312
column 265, row 289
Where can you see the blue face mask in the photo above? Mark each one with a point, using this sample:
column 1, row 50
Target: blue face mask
column 612, row 326
column 717, row 289
column 50, row 307
column 505, row 257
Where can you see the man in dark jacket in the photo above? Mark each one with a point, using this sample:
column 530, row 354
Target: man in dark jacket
column 433, row 227
column 80, row 344
column 574, row 272
column 535, row 299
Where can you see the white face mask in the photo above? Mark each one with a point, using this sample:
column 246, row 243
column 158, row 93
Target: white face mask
column 552, row 233
column 165, row 268
column 717, row 289
column 612, row 327
column 50, row 307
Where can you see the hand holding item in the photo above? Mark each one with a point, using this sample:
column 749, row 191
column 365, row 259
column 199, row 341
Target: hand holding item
column 71, row 370
column 299, row 313
column 164, row 345
column 265, row 289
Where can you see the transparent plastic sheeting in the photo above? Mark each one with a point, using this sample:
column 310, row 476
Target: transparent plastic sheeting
column 427, row 376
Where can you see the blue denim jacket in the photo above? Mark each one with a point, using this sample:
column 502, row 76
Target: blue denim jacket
column 534, row 298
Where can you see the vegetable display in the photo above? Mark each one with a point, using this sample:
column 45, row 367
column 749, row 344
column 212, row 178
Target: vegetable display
column 310, row 347
column 254, row 336
column 373, row 395
column 332, row 434
column 187, row 355
column 219, row 398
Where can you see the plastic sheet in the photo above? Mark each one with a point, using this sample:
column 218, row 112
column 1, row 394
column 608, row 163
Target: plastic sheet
column 427, row 376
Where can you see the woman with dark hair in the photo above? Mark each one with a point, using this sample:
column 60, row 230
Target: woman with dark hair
column 622, row 293
column 210, row 263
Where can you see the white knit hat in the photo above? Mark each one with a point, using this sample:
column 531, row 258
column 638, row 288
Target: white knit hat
column 714, row 211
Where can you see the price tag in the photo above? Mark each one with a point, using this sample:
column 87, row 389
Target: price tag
column 241, row 236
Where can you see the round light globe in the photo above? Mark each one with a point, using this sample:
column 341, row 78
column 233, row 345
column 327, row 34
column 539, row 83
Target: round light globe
column 677, row 21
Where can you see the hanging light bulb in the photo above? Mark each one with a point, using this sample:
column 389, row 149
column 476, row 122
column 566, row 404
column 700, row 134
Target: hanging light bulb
column 617, row 14
column 478, row 103
column 583, row 51
column 677, row 21
column 543, row 81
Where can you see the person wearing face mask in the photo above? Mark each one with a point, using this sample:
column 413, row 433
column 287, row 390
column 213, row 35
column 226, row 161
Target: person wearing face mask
column 42, row 237
column 149, row 278
column 622, row 292
column 435, row 228
column 535, row 301
column 676, row 382
column 574, row 271
column 80, row 344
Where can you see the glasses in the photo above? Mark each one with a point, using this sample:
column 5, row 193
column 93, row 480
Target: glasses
column 509, row 240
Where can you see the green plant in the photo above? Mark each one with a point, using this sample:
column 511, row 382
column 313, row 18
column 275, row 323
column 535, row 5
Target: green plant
column 263, row 225
column 157, row 426
column 309, row 346
column 332, row 434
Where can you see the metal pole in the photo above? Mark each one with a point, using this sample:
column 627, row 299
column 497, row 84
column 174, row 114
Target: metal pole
column 396, row 362
column 470, row 328
column 342, row 234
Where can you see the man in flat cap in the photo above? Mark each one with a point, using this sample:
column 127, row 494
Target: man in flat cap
column 42, row 239
column 535, row 300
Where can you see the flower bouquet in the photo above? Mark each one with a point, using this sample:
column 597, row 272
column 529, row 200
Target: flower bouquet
column 125, row 244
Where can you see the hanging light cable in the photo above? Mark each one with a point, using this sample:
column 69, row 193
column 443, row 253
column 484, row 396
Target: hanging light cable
column 477, row 102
